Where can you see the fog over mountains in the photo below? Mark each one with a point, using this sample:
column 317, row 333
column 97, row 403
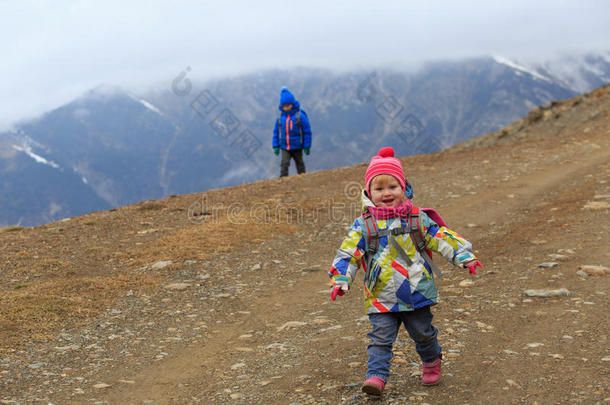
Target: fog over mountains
column 111, row 147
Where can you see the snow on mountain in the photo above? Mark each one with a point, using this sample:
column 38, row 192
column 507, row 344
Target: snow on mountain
column 147, row 105
column 27, row 149
column 577, row 72
column 514, row 65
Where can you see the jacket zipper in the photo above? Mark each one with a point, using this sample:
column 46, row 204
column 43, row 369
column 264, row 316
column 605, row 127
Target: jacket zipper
column 287, row 132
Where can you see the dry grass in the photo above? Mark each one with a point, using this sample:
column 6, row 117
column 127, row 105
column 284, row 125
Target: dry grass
column 48, row 265
column 62, row 289
column 202, row 242
column 14, row 228
column 35, row 311
column 150, row 206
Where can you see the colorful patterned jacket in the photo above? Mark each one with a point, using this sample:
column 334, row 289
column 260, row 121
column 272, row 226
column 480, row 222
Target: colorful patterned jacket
column 399, row 287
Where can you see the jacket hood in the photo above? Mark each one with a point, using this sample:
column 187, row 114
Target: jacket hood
column 286, row 97
column 366, row 201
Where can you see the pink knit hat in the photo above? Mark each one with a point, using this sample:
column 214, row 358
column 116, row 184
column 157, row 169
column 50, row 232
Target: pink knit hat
column 385, row 163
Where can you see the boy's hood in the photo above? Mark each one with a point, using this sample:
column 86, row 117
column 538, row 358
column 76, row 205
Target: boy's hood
column 295, row 107
column 286, row 97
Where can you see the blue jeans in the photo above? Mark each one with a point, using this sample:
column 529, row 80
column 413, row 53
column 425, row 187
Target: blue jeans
column 385, row 329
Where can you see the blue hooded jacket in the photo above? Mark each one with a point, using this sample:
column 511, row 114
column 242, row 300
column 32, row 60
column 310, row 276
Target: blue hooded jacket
column 290, row 138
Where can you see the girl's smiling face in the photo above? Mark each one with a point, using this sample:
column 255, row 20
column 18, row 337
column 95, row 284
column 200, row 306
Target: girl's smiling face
column 386, row 191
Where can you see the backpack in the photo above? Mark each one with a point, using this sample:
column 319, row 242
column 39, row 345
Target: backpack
column 371, row 235
column 298, row 122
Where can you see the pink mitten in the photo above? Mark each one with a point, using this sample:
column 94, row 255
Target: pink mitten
column 338, row 289
column 472, row 266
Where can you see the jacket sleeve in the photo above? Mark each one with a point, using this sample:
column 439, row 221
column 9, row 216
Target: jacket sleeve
column 349, row 256
column 306, row 130
column 276, row 135
column 446, row 242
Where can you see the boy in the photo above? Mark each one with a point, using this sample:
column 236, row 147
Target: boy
column 292, row 133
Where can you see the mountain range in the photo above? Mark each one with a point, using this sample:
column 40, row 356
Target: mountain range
column 111, row 147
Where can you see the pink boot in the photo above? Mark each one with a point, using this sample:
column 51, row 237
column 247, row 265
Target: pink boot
column 431, row 372
column 373, row 386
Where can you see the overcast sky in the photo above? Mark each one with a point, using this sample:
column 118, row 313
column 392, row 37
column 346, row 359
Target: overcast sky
column 52, row 51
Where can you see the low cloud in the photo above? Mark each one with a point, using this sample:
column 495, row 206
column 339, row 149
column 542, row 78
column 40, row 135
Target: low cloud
column 61, row 50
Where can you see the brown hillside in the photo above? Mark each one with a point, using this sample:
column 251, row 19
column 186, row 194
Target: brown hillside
column 222, row 296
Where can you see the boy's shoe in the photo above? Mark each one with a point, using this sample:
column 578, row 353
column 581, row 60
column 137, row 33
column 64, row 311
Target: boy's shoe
column 431, row 372
column 373, row 386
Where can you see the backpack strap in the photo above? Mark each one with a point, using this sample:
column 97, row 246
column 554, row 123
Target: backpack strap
column 370, row 233
column 400, row 250
column 300, row 125
column 420, row 242
column 391, row 234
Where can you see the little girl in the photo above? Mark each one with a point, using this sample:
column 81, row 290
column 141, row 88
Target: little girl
column 392, row 241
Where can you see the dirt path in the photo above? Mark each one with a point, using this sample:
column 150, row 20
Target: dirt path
column 254, row 323
column 486, row 327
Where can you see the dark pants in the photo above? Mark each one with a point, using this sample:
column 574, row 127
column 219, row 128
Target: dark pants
column 385, row 328
column 297, row 155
